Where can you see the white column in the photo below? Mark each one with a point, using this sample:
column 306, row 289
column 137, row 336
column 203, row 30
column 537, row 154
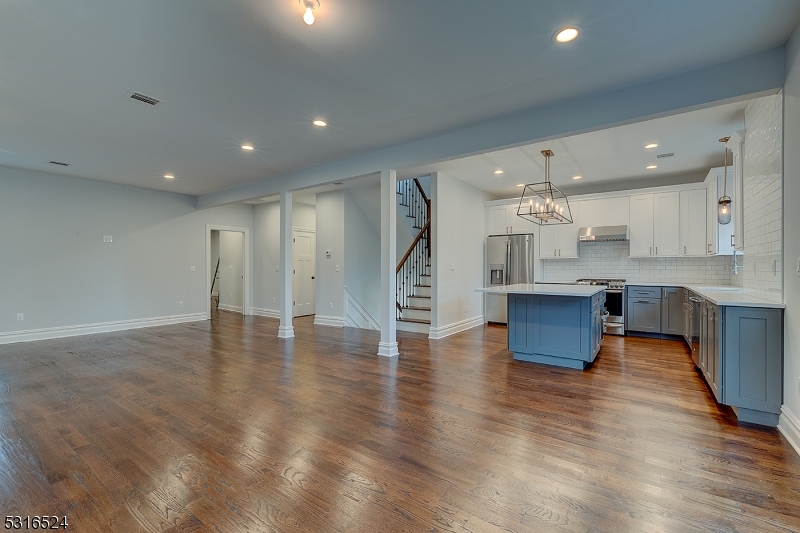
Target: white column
column 388, row 344
column 286, row 330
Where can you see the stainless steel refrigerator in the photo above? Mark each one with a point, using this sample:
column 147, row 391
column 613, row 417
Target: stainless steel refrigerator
column 509, row 260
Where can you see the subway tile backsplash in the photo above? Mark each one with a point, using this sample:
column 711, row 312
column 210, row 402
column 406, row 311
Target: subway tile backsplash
column 610, row 260
column 763, row 198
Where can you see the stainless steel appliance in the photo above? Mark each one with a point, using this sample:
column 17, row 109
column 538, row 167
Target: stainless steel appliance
column 693, row 315
column 603, row 234
column 509, row 260
column 614, row 323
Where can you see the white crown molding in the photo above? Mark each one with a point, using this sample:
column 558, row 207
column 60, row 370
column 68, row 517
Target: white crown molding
column 99, row 327
column 456, row 327
column 789, row 426
column 269, row 313
column 333, row 321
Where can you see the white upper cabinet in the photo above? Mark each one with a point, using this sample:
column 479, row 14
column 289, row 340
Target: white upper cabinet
column 666, row 224
column 641, row 225
column 560, row 241
column 604, row 212
column 693, row 223
column 497, row 220
column 503, row 219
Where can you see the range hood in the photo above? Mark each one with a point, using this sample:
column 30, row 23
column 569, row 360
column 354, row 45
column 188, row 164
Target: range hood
column 603, row 233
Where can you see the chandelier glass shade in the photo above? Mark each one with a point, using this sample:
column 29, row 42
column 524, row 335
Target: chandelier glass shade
column 543, row 203
column 724, row 203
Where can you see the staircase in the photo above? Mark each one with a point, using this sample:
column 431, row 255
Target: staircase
column 414, row 269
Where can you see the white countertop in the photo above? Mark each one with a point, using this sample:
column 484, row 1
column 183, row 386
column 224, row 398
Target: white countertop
column 545, row 289
column 722, row 295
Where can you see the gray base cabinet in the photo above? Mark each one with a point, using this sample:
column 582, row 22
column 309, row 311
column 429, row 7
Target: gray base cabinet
column 555, row 330
column 644, row 314
column 741, row 358
column 655, row 310
column 672, row 299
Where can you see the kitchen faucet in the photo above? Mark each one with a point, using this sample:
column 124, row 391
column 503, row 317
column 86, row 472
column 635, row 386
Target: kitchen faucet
column 736, row 266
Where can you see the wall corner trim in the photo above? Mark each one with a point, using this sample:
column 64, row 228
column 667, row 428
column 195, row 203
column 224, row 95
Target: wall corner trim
column 269, row 313
column 333, row 321
column 456, row 327
column 99, row 327
column 789, row 426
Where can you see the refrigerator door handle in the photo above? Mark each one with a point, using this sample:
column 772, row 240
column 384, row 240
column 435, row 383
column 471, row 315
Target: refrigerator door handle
column 508, row 262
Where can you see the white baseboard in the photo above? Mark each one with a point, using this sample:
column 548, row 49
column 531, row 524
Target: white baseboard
column 789, row 425
column 455, row 327
column 100, row 327
column 234, row 308
column 333, row 321
column 269, row 313
column 388, row 349
column 286, row 332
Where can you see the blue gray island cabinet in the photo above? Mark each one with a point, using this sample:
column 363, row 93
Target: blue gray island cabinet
column 559, row 325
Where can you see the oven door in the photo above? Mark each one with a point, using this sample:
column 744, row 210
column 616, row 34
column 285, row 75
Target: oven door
column 615, row 306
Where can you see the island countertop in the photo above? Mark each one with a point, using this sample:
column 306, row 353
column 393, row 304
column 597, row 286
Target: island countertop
column 545, row 289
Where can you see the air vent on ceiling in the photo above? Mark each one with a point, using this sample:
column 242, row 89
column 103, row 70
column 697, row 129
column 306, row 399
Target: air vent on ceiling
column 59, row 163
column 143, row 98
column 660, row 156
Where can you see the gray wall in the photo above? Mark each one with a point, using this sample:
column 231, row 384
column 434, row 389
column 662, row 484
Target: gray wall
column 58, row 271
column 330, row 237
column 362, row 253
column 791, row 224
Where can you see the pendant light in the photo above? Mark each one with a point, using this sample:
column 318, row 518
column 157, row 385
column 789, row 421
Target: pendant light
column 543, row 203
column 724, row 203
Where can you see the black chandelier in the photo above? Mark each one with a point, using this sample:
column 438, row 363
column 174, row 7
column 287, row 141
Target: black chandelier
column 543, row 203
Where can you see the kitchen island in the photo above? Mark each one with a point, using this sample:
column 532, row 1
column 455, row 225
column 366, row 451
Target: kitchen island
column 553, row 324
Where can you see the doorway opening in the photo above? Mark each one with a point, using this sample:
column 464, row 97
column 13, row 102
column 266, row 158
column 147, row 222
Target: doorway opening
column 227, row 272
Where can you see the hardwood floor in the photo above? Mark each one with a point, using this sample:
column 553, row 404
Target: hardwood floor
column 220, row 426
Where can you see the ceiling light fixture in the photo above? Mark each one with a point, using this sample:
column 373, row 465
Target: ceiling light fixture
column 310, row 6
column 520, row 184
column 543, row 203
column 567, row 35
column 498, row 171
column 169, row 176
column 320, row 123
column 724, row 203
column 651, row 145
column 577, row 177
column 248, row 147
column 651, row 167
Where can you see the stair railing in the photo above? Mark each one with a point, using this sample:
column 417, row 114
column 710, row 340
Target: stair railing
column 413, row 265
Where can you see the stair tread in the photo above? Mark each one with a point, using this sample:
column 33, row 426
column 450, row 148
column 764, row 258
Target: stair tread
column 415, row 320
column 418, row 285
column 414, row 308
column 427, row 297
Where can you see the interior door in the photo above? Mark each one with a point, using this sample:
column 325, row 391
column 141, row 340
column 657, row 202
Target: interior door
column 304, row 246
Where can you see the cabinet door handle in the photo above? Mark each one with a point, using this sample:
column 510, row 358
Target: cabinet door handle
column 651, row 250
column 555, row 252
column 684, row 250
column 656, row 250
column 559, row 252
column 642, row 302
column 733, row 240
column 708, row 249
column 511, row 229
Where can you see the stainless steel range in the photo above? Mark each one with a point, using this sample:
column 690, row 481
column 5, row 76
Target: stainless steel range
column 615, row 303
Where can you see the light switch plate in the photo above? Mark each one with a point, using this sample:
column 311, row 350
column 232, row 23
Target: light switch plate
column 106, row 238
column 180, row 304
column 20, row 317
column 193, row 269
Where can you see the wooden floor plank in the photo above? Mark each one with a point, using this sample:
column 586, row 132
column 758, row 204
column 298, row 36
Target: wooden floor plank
column 220, row 426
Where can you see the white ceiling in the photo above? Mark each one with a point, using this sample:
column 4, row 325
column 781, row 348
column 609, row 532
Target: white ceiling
column 611, row 159
column 381, row 72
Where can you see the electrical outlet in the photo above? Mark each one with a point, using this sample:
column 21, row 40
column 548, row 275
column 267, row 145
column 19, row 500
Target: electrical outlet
column 276, row 268
column 273, row 300
column 331, row 305
column 452, row 266
column 180, row 304
column 20, row 317
column 337, row 268
column 106, row 238
column 193, row 269
column 231, row 295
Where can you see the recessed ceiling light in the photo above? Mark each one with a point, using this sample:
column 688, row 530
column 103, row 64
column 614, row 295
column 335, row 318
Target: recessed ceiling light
column 248, row 147
column 169, row 176
column 567, row 34
column 520, row 184
column 651, row 167
column 651, row 145
column 320, row 123
column 577, row 177
column 498, row 171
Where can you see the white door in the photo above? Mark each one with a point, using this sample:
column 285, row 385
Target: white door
column 641, row 228
column 304, row 273
column 693, row 222
column 667, row 224
column 496, row 223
